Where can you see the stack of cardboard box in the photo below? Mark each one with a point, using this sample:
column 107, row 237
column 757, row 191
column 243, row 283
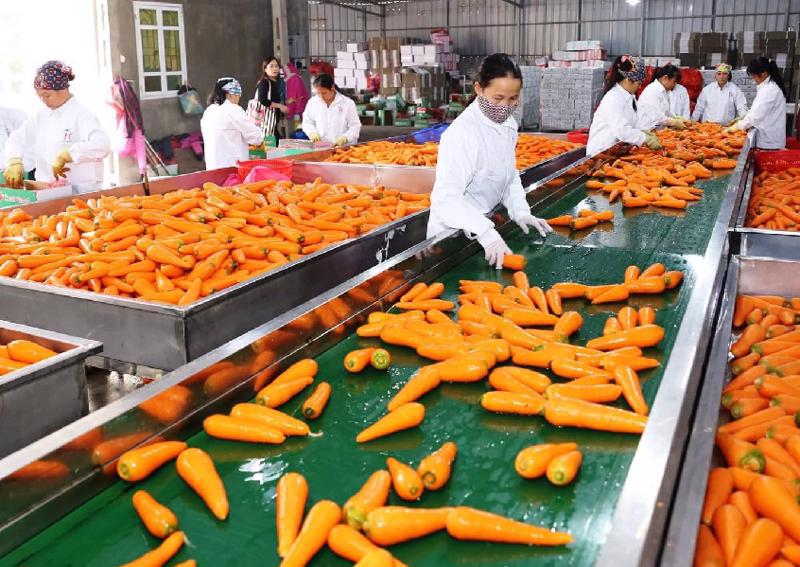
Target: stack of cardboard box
column 352, row 67
column 528, row 113
column 580, row 54
column 427, row 86
column 429, row 54
column 695, row 49
column 569, row 97
column 779, row 46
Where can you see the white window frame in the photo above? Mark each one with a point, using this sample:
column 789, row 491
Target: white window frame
column 159, row 8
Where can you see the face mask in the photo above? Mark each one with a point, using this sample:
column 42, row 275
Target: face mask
column 495, row 112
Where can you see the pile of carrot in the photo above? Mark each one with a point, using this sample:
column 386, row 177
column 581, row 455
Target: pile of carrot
column 751, row 514
column 701, row 141
column 388, row 153
column 499, row 324
column 21, row 353
column 775, row 201
column 530, row 150
column 181, row 246
column 586, row 218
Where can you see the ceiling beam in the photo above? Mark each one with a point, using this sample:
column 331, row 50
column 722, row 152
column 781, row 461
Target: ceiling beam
column 354, row 8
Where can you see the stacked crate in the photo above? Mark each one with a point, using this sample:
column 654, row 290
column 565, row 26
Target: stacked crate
column 352, row 67
column 569, row 97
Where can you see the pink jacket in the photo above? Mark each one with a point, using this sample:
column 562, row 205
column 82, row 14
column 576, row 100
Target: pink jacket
column 295, row 90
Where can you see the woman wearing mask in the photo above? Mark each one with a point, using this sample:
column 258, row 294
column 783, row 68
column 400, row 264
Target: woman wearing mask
column 476, row 169
column 768, row 114
column 271, row 93
column 227, row 131
column 720, row 101
column 64, row 139
column 330, row 116
column 654, row 104
column 679, row 100
column 615, row 119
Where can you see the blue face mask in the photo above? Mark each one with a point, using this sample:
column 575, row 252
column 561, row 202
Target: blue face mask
column 498, row 113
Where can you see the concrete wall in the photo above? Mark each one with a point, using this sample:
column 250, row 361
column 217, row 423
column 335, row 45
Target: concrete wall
column 222, row 39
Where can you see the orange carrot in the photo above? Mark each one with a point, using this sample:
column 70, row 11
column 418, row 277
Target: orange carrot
column 708, row 552
column 197, row 469
column 277, row 394
column 627, row 378
column 628, row 317
column 564, row 468
column 137, row 464
column 405, row 480
column 235, row 429
column 643, row 337
column 316, row 402
column 357, row 360
column 351, row 544
column 739, row 453
column 319, row 522
column 476, row 525
column 578, row 413
column 729, row 525
column 647, row 316
column 742, row 502
column 425, row 380
column 372, row 494
column 718, row 489
column 512, row 402
column 270, row 417
column 290, row 504
column 405, row 416
column 390, row 525
column 157, row 518
column 771, row 500
column 434, row 470
column 532, row 461
column 760, row 543
column 160, row 555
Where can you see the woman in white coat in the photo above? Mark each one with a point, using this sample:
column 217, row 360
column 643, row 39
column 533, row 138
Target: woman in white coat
column 768, row 114
column 720, row 101
column 330, row 116
column 226, row 129
column 65, row 139
column 654, row 102
column 615, row 119
column 679, row 105
column 476, row 168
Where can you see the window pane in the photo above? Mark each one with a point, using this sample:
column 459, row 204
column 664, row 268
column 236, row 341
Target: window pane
column 147, row 17
column 150, row 60
column 152, row 84
column 170, row 18
column 173, row 82
column 172, row 50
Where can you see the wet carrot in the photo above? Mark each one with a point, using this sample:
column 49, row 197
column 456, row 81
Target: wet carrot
column 435, row 469
column 160, row 555
column 319, row 522
column 578, row 413
column 351, row 544
column 597, row 393
column 390, row 525
column 739, row 453
column 197, row 469
column 515, row 262
column 357, row 360
column 563, row 469
column 644, row 336
column 729, row 525
column 628, row 380
column 138, row 464
column 405, row 416
column 512, row 402
column 290, row 504
column 29, row 352
column 277, row 394
column 628, row 317
column 313, row 406
column 157, row 518
column 405, row 480
column 476, row 525
column 235, row 429
column 372, row 494
column 770, row 499
column 536, row 381
column 718, row 489
column 708, row 552
column 760, row 543
column 531, row 462
column 272, row 418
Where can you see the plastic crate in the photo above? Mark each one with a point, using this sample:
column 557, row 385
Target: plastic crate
column 773, row 161
column 278, row 165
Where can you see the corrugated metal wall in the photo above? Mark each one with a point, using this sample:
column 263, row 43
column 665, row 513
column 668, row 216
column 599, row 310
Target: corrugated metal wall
column 479, row 27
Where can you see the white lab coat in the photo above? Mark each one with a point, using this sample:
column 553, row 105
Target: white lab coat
column 71, row 126
column 767, row 116
column 720, row 105
column 679, row 102
column 331, row 122
column 227, row 131
column 10, row 120
column 476, row 170
column 614, row 121
column 652, row 106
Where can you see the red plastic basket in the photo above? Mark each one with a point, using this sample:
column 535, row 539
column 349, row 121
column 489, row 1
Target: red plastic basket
column 579, row 136
column 776, row 160
column 278, row 165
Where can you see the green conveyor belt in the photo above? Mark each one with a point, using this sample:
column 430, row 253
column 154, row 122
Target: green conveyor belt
column 106, row 532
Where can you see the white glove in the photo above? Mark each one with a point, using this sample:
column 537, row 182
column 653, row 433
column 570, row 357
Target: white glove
column 314, row 137
column 340, row 141
column 494, row 247
column 676, row 123
column 733, row 128
column 527, row 221
column 652, row 141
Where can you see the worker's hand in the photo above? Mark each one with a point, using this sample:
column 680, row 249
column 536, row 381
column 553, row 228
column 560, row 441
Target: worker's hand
column 259, row 148
column 59, row 164
column 340, row 141
column 734, row 127
column 676, row 123
column 652, row 141
column 494, row 248
column 527, row 221
column 14, row 173
column 314, row 137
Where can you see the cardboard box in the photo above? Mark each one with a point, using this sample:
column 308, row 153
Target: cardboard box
column 344, row 56
column 357, row 46
column 342, row 64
